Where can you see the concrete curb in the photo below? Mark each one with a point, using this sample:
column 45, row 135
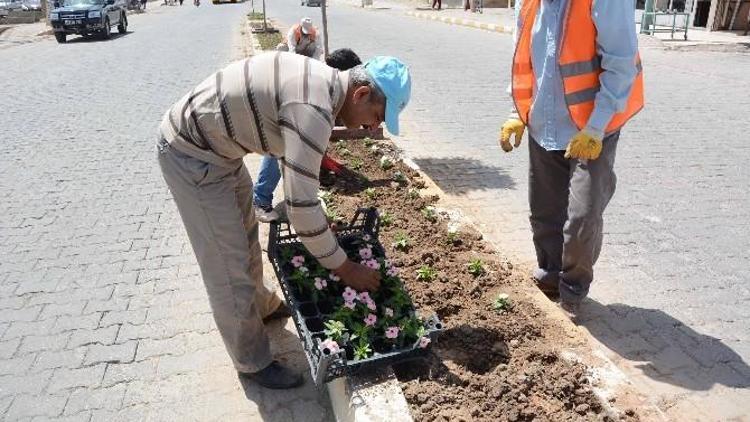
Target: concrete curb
column 464, row 22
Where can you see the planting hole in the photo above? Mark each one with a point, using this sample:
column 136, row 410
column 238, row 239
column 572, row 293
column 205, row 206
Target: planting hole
column 478, row 349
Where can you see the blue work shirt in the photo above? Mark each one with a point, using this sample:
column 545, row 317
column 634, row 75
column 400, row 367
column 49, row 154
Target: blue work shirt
column 550, row 123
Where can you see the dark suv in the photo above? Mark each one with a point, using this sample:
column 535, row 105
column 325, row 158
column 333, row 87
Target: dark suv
column 86, row 17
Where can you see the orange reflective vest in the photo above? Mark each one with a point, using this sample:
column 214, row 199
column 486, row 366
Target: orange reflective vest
column 579, row 66
column 298, row 33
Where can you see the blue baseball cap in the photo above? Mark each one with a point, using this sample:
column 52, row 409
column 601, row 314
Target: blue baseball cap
column 392, row 77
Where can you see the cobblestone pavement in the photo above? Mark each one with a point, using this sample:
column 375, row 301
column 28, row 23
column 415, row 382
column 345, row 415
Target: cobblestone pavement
column 103, row 315
column 672, row 294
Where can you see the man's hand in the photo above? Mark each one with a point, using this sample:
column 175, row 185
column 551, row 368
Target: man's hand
column 358, row 277
column 584, row 146
column 510, row 127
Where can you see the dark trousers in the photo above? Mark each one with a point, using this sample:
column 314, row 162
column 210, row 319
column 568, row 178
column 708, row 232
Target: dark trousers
column 439, row 3
column 567, row 199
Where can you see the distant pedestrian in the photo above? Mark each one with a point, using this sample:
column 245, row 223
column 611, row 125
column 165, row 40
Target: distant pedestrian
column 143, row 4
column 181, row 2
column 303, row 38
column 438, row 2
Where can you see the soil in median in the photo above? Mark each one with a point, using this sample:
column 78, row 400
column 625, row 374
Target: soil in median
column 490, row 364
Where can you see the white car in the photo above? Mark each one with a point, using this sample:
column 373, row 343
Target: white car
column 31, row 5
column 10, row 5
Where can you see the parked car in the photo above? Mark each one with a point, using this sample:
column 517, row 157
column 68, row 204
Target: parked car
column 31, row 5
column 310, row 3
column 87, row 17
column 11, row 5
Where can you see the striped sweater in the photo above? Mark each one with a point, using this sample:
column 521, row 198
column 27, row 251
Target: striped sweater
column 278, row 104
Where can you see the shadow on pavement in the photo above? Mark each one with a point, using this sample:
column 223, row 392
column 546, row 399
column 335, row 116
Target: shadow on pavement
column 287, row 405
column 669, row 351
column 95, row 38
column 459, row 176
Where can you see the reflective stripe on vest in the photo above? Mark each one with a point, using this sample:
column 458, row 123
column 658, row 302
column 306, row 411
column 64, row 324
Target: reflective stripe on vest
column 579, row 65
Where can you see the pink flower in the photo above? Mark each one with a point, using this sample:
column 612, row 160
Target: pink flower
column 365, row 253
column 366, row 238
column 364, row 297
column 375, row 265
column 424, row 341
column 349, row 294
column 334, row 277
column 349, row 304
column 371, row 320
column 329, row 344
column 391, row 332
column 392, row 272
column 371, row 305
column 320, row 283
column 298, row 260
column 388, row 312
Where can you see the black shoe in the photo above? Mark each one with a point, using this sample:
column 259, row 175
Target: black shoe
column 548, row 285
column 281, row 312
column 275, row 376
column 570, row 309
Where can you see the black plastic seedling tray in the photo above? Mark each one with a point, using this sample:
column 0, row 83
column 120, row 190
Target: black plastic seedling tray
column 309, row 316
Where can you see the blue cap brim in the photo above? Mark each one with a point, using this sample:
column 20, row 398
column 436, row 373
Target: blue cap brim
column 391, row 117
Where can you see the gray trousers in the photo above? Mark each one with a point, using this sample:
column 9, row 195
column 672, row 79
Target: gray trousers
column 215, row 204
column 567, row 199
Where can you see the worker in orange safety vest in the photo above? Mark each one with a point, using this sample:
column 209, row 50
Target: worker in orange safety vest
column 576, row 80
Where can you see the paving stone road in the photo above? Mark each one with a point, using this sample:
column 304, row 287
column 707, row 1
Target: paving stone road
column 672, row 297
column 102, row 312
column 103, row 315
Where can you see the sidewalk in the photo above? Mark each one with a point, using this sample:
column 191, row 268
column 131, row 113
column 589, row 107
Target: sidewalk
column 502, row 20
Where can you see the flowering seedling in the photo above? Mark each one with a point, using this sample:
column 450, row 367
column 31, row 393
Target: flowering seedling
column 502, row 303
column 401, row 241
column 386, row 162
column 334, row 329
column 330, row 345
column 426, row 273
column 362, row 349
column 370, row 193
column 476, row 267
column 355, row 163
column 324, row 196
column 399, row 177
column 430, row 214
column 452, row 238
column 386, row 219
column 413, row 193
column 369, row 142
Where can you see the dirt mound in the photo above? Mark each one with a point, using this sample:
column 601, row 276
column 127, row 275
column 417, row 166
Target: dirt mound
column 491, row 363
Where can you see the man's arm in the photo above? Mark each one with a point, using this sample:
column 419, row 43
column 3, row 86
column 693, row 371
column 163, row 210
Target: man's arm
column 306, row 132
column 617, row 44
column 291, row 40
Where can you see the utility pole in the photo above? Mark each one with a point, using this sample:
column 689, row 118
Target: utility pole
column 45, row 11
column 265, row 25
column 325, row 26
